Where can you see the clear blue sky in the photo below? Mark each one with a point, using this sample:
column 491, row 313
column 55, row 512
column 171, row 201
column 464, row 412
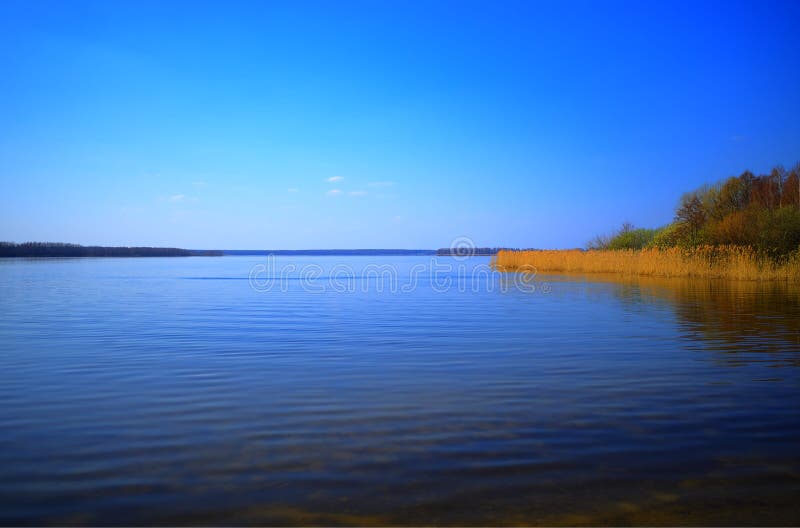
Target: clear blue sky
column 218, row 125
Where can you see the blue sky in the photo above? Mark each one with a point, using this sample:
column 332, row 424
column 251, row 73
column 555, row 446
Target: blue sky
column 382, row 124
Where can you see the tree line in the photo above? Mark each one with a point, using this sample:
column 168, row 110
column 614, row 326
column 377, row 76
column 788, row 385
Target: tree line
column 467, row 252
column 58, row 249
column 762, row 212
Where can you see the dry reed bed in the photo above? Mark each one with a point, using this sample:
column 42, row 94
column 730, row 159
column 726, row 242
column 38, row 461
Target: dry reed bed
column 727, row 262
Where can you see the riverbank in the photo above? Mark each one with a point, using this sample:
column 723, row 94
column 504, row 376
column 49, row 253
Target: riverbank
column 712, row 262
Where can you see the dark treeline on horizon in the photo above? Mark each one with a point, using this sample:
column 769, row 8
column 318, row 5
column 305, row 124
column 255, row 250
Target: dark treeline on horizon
column 354, row 252
column 463, row 252
column 57, row 249
column 60, row 249
column 762, row 212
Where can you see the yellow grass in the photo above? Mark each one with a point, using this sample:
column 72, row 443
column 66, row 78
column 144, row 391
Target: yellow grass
column 726, row 262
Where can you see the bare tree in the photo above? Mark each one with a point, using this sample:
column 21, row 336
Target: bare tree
column 691, row 215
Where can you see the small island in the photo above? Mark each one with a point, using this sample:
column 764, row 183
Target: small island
column 467, row 252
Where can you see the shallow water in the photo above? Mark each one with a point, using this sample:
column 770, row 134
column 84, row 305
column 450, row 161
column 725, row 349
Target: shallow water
column 180, row 391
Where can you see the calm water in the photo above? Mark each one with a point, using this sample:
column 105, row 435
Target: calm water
column 173, row 391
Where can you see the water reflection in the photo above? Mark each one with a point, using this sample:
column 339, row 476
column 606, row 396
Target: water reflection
column 134, row 396
column 741, row 321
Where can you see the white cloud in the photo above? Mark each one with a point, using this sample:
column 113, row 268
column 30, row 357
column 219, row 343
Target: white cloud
column 334, row 179
column 357, row 193
column 199, row 183
column 381, row 184
column 177, row 199
column 334, row 192
column 293, row 190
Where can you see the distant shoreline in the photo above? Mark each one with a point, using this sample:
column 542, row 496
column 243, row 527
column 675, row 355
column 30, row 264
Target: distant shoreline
column 323, row 252
column 60, row 250
column 442, row 252
column 64, row 250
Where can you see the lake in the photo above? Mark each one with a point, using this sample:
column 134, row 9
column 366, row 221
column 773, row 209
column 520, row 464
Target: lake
column 391, row 390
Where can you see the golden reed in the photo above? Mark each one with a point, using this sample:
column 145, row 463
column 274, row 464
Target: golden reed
column 725, row 262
